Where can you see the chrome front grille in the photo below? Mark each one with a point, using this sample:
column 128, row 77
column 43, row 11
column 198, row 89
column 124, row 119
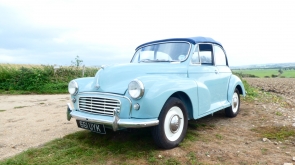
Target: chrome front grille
column 98, row 105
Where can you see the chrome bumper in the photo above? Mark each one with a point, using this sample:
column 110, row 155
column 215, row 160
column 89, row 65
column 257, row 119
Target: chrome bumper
column 115, row 122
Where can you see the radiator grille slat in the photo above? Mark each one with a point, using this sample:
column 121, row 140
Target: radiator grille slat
column 97, row 105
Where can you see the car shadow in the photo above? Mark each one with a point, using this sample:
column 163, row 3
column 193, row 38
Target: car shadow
column 132, row 141
column 138, row 140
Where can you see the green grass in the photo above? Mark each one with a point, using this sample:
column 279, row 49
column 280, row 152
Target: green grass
column 279, row 113
column 192, row 159
column 289, row 73
column 121, row 147
column 1, row 110
column 252, row 92
column 172, row 161
column 276, row 133
column 18, row 107
column 85, row 147
column 218, row 136
column 264, row 151
column 261, row 73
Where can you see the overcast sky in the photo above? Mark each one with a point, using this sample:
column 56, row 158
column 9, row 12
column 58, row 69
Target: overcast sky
column 107, row 32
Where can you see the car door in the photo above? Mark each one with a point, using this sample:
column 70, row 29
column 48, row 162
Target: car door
column 224, row 74
column 203, row 70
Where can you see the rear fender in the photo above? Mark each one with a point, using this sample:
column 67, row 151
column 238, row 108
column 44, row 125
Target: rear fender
column 235, row 82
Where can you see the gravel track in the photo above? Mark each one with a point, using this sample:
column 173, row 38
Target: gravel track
column 31, row 120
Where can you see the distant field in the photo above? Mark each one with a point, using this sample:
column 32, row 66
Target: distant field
column 266, row 72
column 289, row 73
column 20, row 65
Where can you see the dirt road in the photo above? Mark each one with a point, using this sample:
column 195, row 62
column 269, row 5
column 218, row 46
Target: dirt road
column 31, row 120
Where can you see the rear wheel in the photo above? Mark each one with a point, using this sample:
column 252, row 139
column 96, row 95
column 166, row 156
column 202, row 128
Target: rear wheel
column 172, row 124
column 234, row 109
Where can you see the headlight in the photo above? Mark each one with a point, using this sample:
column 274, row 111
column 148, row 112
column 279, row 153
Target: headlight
column 73, row 87
column 136, row 89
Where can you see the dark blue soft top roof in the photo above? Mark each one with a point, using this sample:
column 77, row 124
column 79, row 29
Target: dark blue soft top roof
column 193, row 40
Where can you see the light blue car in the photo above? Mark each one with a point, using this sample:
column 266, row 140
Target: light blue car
column 167, row 83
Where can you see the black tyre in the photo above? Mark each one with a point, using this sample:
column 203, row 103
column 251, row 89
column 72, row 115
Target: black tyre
column 172, row 124
column 234, row 109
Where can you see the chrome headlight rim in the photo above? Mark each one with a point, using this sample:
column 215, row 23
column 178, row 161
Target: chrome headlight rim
column 140, row 88
column 73, row 87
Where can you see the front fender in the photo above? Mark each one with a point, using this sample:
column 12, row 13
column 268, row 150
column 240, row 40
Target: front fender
column 158, row 89
column 235, row 82
column 85, row 84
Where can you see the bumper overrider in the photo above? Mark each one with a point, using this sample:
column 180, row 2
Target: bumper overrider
column 114, row 121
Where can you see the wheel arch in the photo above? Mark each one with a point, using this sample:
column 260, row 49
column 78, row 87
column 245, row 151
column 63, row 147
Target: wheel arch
column 235, row 82
column 241, row 92
column 186, row 101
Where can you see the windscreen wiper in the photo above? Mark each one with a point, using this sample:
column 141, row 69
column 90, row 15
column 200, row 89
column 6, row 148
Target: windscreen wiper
column 145, row 60
column 158, row 60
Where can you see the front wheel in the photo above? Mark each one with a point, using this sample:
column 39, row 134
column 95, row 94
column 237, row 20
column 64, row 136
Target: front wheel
column 234, row 109
column 172, row 124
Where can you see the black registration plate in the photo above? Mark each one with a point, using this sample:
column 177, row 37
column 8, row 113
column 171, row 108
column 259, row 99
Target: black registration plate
column 97, row 128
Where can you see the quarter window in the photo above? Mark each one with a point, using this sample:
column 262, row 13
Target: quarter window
column 195, row 57
column 220, row 58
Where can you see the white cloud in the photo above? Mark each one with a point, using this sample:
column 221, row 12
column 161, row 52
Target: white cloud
column 6, row 58
column 251, row 31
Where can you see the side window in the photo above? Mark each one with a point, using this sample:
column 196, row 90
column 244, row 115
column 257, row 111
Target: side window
column 220, row 58
column 206, row 54
column 195, row 58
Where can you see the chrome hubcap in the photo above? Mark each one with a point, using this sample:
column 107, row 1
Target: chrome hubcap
column 174, row 123
column 235, row 102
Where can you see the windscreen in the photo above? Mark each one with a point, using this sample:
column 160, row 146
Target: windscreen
column 162, row 52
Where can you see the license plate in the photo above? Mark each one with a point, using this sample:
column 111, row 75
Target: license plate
column 97, row 128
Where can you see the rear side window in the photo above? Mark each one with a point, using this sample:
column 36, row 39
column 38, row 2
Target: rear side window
column 220, row 58
column 206, row 54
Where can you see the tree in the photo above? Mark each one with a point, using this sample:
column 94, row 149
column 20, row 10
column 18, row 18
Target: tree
column 77, row 62
column 280, row 71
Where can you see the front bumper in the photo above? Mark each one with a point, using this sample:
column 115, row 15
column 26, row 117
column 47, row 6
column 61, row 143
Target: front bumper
column 115, row 122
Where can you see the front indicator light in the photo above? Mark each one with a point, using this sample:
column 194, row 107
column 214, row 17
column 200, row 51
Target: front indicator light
column 136, row 106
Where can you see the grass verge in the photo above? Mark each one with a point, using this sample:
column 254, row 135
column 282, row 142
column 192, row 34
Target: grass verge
column 85, row 147
column 121, row 147
column 275, row 133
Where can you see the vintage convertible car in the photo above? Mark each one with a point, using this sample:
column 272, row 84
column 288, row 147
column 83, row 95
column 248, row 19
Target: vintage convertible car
column 167, row 83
